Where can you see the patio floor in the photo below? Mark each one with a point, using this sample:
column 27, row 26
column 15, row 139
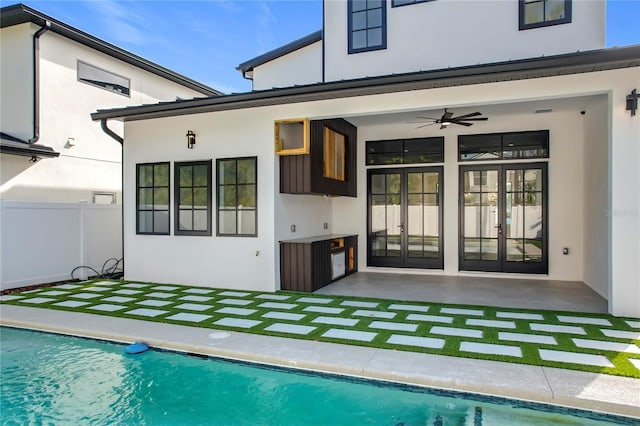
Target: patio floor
column 591, row 342
column 469, row 290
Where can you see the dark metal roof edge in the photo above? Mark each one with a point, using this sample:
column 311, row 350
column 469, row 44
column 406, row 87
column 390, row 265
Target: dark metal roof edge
column 19, row 14
column 27, row 150
column 280, row 51
column 619, row 56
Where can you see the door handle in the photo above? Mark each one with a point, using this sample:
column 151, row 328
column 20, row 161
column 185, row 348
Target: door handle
column 499, row 226
column 401, row 226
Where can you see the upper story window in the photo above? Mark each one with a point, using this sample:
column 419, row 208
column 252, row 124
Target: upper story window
column 367, row 25
column 542, row 13
column 396, row 3
column 103, row 79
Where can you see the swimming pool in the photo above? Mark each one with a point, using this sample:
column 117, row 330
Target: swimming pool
column 55, row 379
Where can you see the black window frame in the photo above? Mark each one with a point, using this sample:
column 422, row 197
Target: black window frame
column 403, row 152
column 544, row 134
column 177, row 187
column 543, row 23
column 218, row 187
column 103, row 85
column 409, row 2
column 153, row 186
column 350, row 31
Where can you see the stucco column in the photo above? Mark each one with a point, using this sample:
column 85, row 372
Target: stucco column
column 624, row 155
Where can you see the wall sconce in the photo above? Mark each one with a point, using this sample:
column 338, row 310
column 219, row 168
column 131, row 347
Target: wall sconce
column 191, row 139
column 70, row 142
column 632, row 101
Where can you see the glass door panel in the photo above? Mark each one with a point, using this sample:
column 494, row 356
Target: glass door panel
column 405, row 217
column 502, row 218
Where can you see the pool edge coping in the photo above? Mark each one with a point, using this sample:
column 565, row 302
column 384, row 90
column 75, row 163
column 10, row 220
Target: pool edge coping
column 361, row 362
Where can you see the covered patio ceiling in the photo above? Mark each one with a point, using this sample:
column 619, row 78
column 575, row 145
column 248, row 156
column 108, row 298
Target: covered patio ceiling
column 492, row 111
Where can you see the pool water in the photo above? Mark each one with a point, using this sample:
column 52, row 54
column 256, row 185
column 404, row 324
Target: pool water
column 61, row 380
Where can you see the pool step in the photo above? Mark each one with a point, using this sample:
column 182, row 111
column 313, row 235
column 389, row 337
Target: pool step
column 456, row 419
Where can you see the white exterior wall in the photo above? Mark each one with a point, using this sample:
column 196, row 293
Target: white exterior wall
column 94, row 162
column 44, row 242
column 232, row 262
column 16, row 109
column 595, row 199
column 441, row 34
column 303, row 66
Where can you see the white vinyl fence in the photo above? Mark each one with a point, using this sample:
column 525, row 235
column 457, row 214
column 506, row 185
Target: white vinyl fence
column 43, row 242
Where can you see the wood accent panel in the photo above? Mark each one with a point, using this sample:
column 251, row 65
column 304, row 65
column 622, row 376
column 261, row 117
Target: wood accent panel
column 304, row 174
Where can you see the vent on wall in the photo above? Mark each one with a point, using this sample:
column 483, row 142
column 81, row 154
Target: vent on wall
column 543, row 110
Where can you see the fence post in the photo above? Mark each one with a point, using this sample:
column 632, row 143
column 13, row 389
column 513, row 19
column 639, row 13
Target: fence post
column 84, row 273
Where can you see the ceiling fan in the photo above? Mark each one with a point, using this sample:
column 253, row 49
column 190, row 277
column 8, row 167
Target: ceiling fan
column 448, row 118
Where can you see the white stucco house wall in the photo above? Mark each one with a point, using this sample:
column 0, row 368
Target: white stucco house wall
column 545, row 187
column 52, row 155
column 82, row 159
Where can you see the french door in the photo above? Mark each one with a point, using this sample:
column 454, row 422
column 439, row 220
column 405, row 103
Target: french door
column 503, row 218
column 405, row 217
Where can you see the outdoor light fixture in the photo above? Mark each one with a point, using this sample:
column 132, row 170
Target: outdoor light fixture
column 33, row 159
column 191, row 139
column 632, row 101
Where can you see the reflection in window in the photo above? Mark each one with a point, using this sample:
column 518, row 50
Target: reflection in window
column 367, row 25
column 152, row 198
column 103, row 79
column 193, row 198
column 405, row 151
column 237, row 196
column 396, row 3
column 504, row 146
column 542, row 13
column 334, row 153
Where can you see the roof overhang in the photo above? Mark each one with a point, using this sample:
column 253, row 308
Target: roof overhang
column 15, row 146
column 248, row 66
column 551, row 66
column 20, row 14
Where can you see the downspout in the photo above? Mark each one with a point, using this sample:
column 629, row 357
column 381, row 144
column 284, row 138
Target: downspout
column 36, row 81
column 108, row 131
column 105, row 128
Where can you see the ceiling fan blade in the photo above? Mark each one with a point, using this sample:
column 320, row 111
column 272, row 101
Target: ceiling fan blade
column 446, row 116
column 472, row 119
column 462, row 123
column 427, row 118
column 425, row 125
column 473, row 114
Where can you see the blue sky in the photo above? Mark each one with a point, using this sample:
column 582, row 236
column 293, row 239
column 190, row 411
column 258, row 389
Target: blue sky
column 205, row 40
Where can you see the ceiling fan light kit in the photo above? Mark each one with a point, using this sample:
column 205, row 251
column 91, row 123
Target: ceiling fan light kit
column 448, row 118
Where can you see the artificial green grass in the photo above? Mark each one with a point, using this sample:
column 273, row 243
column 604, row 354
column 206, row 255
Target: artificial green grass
column 530, row 354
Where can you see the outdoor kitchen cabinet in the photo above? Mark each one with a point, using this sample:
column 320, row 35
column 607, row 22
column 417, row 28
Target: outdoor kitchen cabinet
column 307, row 264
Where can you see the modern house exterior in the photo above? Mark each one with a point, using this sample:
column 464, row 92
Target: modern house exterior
column 52, row 155
column 451, row 138
column 53, row 76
